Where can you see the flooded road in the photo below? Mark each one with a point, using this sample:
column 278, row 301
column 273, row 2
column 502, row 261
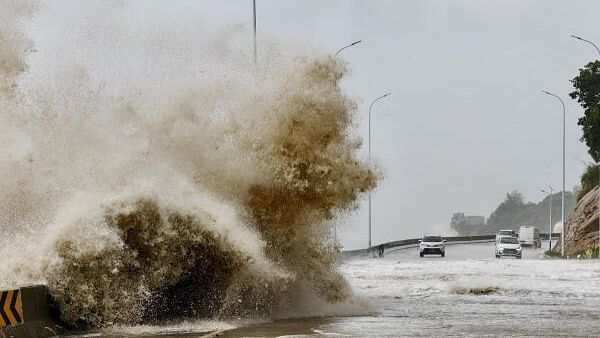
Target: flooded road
column 424, row 297
column 432, row 296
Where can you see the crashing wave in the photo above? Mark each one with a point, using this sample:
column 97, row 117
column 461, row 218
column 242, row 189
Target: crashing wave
column 197, row 189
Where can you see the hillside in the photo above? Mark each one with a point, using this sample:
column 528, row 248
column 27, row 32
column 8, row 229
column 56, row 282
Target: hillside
column 582, row 228
column 514, row 212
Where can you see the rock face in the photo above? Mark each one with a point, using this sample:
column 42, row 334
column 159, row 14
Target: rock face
column 582, row 227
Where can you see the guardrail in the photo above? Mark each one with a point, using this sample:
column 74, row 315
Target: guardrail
column 414, row 241
column 555, row 235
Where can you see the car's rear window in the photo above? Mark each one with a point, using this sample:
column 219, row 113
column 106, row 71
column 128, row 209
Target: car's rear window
column 505, row 232
column 509, row 240
column 432, row 239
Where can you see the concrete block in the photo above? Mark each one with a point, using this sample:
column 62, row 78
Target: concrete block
column 27, row 312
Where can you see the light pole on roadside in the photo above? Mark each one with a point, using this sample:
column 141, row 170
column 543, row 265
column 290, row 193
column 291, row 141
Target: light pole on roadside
column 551, row 200
column 562, row 235
column 336, row 55
column 254, row 21
column 347, row 46
column 588, row 41
column 370, row 109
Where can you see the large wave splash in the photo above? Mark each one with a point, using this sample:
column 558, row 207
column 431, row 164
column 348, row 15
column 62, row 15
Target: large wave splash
column 180, row 181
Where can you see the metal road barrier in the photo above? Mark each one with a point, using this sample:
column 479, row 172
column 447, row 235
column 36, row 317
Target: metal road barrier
column 415, row 241
column 555, row 236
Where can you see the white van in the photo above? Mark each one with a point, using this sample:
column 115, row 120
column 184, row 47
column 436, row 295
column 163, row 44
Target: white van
column 530, row 235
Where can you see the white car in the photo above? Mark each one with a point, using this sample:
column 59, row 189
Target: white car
column 432, row 244
column 505, row 233
column 508, row 246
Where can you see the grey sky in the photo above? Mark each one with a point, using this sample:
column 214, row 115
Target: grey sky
column 466, row 121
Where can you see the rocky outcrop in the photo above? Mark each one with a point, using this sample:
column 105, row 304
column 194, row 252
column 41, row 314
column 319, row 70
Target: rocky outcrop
column 582, row 227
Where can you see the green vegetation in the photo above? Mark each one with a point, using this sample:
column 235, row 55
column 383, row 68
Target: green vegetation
column 552, row 254
column 587, row 93
column 591, row 251
column 589, row 180
column 514, row 212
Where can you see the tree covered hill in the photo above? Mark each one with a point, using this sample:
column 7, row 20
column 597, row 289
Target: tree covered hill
column 514, row 212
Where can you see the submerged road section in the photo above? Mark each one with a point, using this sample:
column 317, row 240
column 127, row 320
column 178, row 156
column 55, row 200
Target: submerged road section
column 468, row 293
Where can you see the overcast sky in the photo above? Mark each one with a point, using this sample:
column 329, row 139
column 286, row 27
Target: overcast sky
column 466, row 122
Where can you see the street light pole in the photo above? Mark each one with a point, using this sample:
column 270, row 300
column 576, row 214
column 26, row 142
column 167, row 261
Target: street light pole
column 254, row 17
column 336, row 55
column 562, row 240
column 370, row 109
column 588, row 41
column 350, row 45
column 551, row 200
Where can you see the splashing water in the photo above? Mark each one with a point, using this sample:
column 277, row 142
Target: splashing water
column 151, row 172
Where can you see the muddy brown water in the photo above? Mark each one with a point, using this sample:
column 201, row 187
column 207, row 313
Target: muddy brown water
column 424, row 297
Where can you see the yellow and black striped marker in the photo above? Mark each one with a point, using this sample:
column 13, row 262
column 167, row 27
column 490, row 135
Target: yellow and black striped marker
column 11, row 308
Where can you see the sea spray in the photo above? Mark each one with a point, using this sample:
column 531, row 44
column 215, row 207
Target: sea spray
column 152, row 172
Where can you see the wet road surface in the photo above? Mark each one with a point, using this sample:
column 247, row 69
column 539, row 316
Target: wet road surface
column 469, row 293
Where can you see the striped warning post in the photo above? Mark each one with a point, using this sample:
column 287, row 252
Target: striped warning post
column 11, row 308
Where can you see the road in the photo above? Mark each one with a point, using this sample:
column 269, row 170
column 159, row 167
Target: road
column 427, row 297
column 408, row 296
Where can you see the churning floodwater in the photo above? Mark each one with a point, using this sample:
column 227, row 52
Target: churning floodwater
column 469, row 293
column 532, row 297
column 151, row 172
column 440, row 297
column 160, row 183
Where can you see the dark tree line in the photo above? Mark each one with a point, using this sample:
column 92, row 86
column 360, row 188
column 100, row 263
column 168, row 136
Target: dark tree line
column 587, row 93
column 514, row 212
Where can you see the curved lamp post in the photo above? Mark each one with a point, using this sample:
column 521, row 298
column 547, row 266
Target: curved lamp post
column 254, row 25
column 347, row 46
column 588, row 41
column 336, row 55
column 370, row 109
column 562, row 240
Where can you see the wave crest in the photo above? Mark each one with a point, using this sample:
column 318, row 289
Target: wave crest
column 202, row 196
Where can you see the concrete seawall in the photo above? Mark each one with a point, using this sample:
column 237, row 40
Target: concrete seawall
column 26, row 313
